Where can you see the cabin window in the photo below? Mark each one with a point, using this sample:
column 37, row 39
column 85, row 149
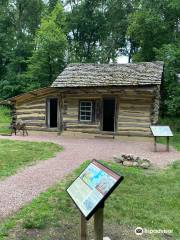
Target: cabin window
column 86, row 111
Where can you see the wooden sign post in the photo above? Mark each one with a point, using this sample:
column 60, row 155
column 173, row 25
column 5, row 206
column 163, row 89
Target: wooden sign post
column 98, row 223
column 89, row 192
column 161, row 131
column 83, row 228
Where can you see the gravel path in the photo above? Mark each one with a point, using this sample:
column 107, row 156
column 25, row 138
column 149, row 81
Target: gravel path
column 17, row 190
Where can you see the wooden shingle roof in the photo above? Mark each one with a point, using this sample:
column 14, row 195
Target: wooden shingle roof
column 89, row 75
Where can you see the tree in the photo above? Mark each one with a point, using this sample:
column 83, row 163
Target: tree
column 153, row 24
column 170, row 54
column 6, row 36
column 52, row 4
column 24, row 20
column 96, row 29
column 48, row 58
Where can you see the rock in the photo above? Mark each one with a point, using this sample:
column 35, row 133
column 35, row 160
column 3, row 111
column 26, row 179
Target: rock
column 144, row 165
column 137, row 159
column 118, row 159
column 132, row 161
column 128, row 163
column 135, row 164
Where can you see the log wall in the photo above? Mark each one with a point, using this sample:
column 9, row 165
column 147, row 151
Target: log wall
column 71, row 115
column 34, row 112
column 135, row 110
column 134, row 116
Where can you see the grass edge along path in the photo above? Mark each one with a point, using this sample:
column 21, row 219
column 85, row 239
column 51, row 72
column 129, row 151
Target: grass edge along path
column 16, row 154
column 146, row 198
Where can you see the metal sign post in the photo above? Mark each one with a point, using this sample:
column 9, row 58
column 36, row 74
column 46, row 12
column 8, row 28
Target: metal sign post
column 161, row 131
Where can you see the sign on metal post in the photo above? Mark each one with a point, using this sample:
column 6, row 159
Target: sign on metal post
column 161, row 131
column 89, row 192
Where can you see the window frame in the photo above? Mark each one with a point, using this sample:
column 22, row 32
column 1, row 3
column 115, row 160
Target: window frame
column 91, row 111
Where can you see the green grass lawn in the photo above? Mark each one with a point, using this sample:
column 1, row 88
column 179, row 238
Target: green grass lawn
column 5, row 120
column 174, row 141
column 17, row 154
column 145, row 198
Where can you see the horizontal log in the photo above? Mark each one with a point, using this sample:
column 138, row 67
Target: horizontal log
column 31, row 107
column 35, row 124
column 143, row 129
column 133, row 119
column 133, row 124
column 30, row 112
column 28, row 103
column 72, row 109
column 134, row 113
column 31, row 118
column 84, row 131
column 134, row 133
column 33, row 128
column 135, row 108
column 81, row 96
column 133, row 95
column 80, row 125
column 135, row 102
column 70, row 119
column 67, row 115
column 34, row 102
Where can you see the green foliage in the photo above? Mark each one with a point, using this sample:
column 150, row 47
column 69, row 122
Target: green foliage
column 173, row 122
column 38, row 39
column 151, row 25
column 170, row 54
column 5, row 116
column 154, row 29
column 96, row 30
column 21, row 20
column 5, row 120
column 48, row 58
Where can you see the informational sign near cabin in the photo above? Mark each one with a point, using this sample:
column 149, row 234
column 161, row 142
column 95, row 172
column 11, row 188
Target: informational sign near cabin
column 161, row 131
column 90, row 190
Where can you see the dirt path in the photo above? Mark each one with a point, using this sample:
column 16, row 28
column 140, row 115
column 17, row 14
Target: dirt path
column 17, row 190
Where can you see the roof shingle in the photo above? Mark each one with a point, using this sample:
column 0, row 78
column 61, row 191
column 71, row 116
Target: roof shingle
column 89, row 75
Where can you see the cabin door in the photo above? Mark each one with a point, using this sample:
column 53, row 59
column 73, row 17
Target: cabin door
column 109, row 114
column 52, row 113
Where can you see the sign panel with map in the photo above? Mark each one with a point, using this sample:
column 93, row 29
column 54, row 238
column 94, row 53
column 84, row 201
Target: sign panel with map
column 92, row 187
column 161, row 131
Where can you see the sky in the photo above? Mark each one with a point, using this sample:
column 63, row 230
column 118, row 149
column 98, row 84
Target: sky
column 122, row 59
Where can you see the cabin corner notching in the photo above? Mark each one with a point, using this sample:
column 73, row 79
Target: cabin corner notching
column 121, row 99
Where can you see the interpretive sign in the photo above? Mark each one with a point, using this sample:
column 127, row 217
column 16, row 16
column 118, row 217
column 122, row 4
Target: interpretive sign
column 161, row 131
column 92, row 187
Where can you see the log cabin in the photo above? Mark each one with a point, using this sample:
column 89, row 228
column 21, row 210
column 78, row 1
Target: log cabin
column 97, row 99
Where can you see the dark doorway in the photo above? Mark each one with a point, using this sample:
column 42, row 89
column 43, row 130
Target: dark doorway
column 53, row 103
column 108, row 114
